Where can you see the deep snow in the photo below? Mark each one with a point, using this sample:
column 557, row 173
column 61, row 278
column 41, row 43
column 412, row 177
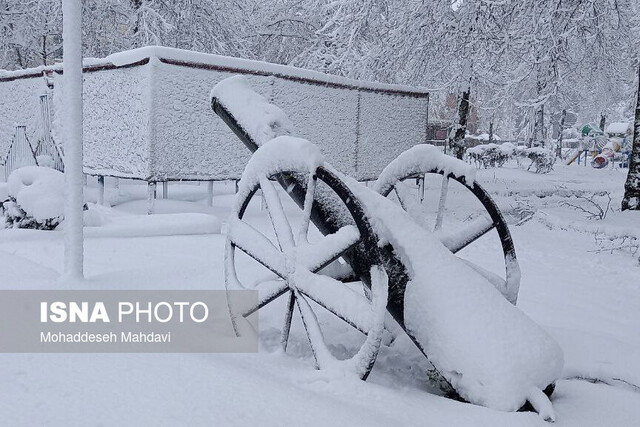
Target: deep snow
column 586, row 298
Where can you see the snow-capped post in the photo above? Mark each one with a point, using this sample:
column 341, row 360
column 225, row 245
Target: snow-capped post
column 631, row 200
column 151, row 197
column 72, row 101
column 101, row 190
column 165, row 189
column 210, row 193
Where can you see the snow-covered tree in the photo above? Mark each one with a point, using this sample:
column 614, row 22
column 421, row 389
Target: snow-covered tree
column 631, row 200
column 522, row 62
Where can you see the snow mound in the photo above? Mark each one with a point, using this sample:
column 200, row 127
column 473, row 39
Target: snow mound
column 38, row 191
column 422, row 158
column 260, row 119
column 25, row 272
column 490, row 351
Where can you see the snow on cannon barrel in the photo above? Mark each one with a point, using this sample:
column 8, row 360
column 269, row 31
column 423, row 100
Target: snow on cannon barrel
column 462, row 317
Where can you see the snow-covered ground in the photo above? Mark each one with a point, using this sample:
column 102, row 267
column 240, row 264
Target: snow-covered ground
column 580, row 281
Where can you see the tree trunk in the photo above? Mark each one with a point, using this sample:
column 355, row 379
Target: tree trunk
column 457, row 142
column 603, row 120
column 19, row 60
column 136, row 4
column 559, row 147
column 538, row 137
column 631, row 200
column 490, row 132
column 44, row 50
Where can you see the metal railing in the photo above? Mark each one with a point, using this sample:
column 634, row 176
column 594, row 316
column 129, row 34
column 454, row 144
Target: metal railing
column 20, row 152
column 47, row 146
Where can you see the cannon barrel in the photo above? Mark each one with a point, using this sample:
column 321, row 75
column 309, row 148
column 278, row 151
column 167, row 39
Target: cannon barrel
column 360, row 258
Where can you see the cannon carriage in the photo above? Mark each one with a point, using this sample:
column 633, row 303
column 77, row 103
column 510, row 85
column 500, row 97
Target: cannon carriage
column 345, row 232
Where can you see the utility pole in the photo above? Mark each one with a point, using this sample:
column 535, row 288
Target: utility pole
column 72, row 116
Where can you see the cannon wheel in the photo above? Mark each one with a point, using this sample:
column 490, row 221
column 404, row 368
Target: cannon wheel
column 460, row 239
column 298, row 264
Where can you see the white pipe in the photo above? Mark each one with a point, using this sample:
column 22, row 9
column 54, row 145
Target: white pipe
column 209, row 193
column 72, row 101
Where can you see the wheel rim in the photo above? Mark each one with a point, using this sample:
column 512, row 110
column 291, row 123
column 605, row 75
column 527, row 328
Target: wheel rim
column 297, row 264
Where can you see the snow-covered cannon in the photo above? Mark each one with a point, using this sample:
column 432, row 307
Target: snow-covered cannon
column 461, row 316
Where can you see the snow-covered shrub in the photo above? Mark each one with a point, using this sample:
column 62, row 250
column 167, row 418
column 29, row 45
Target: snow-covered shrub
column 496, row 155
column 542, row 158
column 474, row 154
column 508, row 149
column 35, row 198
column 491, row 155
column 594, row 206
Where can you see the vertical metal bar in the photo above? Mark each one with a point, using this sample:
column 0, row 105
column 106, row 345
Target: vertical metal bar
column 8, row 162
column 165, row 189
column 46, row 120
column 47, row 146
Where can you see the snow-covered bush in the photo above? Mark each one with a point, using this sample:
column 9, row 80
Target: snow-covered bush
column 35, row 198
column 491, row 155
column 542, row 158
column 496, row 155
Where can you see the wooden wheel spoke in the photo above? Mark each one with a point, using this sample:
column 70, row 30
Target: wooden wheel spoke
column 286, row 327
column 401, row 198
column 320, row 351
column 466, row 235
column 306, row 209
column 318, row 255
column 275, row 290
column 442, row 202
column 334, row 296
column 279, row 220
column 257, row 246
